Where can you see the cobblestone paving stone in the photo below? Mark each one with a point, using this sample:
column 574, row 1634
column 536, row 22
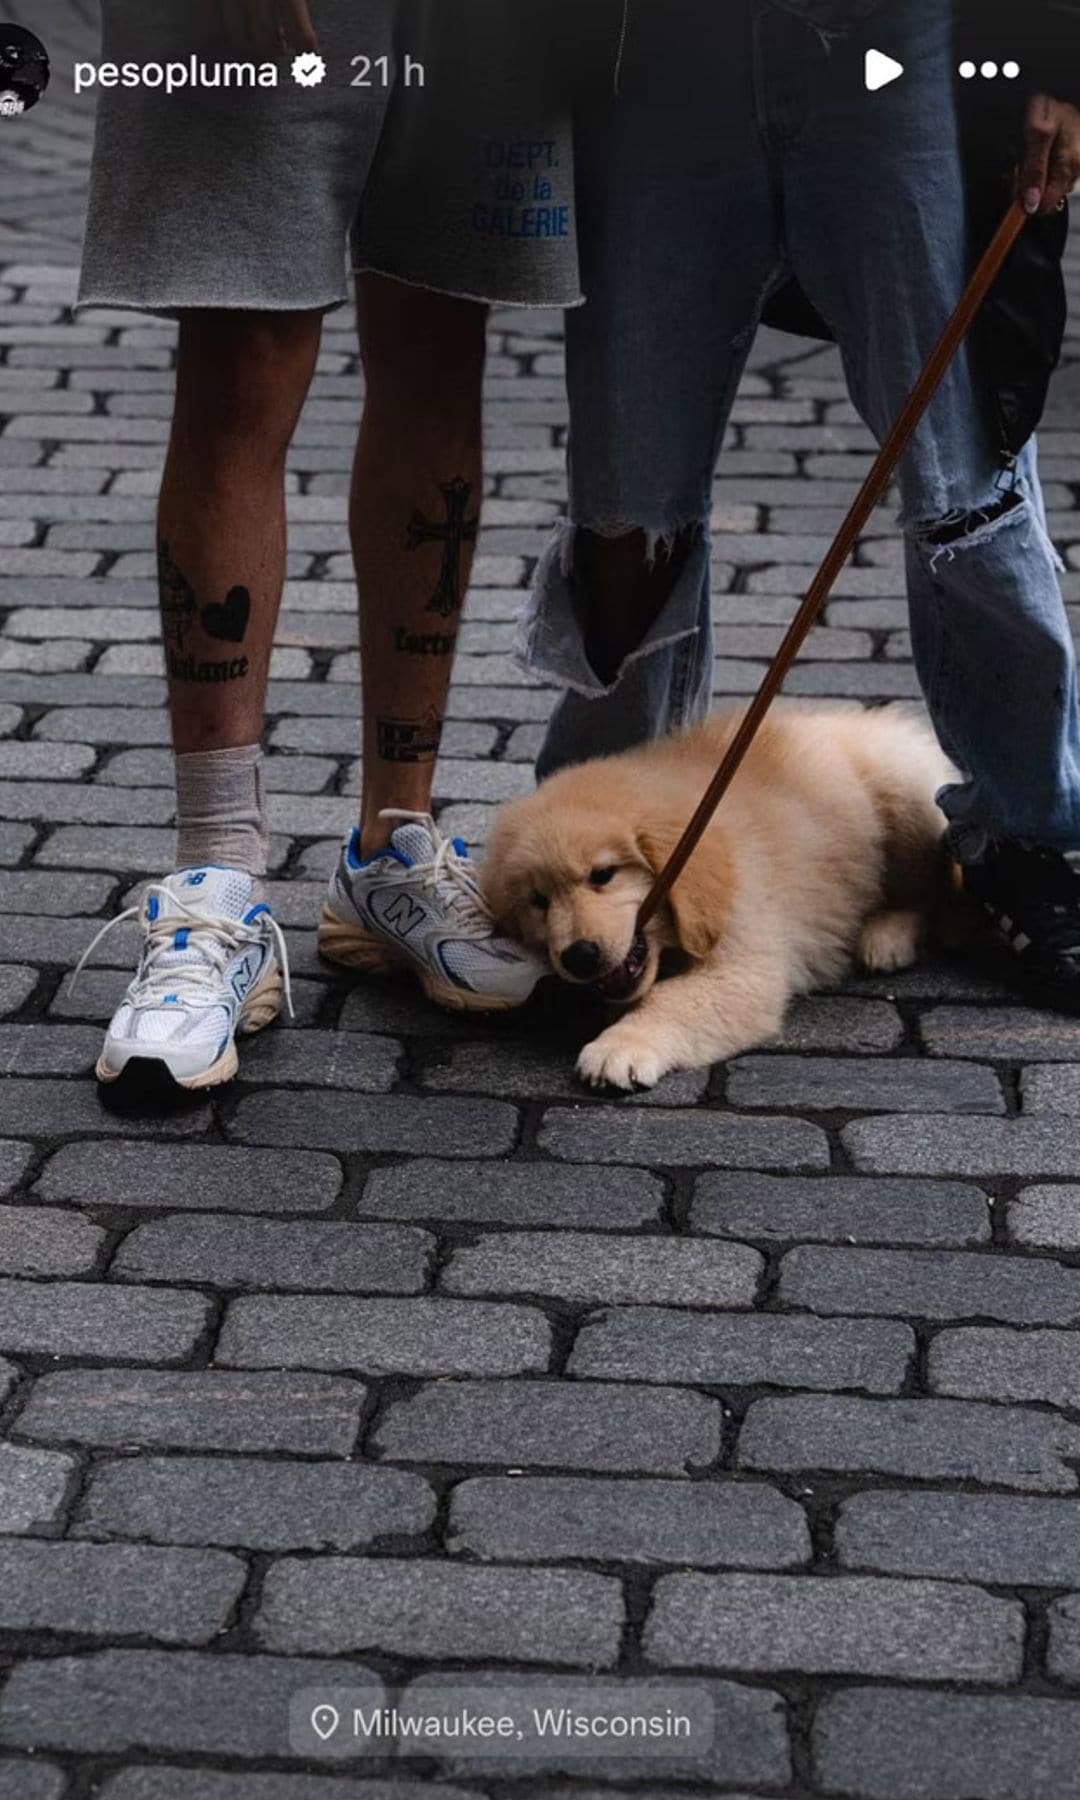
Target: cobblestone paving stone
column 405, row 1361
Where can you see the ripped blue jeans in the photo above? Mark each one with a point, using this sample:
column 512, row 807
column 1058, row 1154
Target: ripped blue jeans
column 739, row 151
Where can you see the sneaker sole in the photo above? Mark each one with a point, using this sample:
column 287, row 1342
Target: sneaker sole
column 354, row 947
column 260, row 1009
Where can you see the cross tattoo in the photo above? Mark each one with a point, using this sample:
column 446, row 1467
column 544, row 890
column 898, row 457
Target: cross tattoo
column 457, row 532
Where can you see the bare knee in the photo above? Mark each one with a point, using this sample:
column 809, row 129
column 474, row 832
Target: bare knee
column 242, row 378
column 423, row 355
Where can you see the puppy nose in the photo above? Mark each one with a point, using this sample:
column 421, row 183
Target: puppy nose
column 582, row 959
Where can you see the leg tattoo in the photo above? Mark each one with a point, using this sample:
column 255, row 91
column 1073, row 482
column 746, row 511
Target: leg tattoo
column 454, row 535
column 424, row 643
column 409, row 740
column 225, row 620
column 178, row 604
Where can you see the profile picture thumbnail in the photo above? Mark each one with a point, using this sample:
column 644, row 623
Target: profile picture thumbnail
column 24, row 70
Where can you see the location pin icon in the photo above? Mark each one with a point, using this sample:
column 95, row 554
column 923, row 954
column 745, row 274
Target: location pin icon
column 325, row 1721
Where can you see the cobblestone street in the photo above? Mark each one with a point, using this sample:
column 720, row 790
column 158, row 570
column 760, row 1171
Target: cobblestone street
column 405, row 1359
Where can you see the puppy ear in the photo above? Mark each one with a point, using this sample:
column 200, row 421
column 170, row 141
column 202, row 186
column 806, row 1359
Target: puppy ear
column 700, row 899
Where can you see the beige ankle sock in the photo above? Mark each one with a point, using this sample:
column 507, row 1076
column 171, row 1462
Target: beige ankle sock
column 221, row 809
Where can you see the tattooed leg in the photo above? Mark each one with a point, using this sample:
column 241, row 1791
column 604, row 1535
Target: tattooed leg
column 241, row 381
column 414, row 516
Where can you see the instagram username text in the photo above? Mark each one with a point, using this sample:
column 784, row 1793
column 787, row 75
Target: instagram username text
column 175, row 77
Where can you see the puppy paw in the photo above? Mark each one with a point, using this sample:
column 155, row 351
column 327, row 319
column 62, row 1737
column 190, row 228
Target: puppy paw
column 890, row 940
column 620, row 1059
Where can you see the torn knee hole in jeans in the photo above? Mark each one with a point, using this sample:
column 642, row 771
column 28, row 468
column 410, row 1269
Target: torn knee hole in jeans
column 962, row 530
column 609, row 593
column 623, row 579
column 659, row 545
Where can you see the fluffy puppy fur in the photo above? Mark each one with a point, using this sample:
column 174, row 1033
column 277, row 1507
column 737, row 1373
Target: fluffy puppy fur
column 825, row 848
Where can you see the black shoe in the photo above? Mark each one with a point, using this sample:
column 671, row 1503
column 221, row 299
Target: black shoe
column 1032, row 895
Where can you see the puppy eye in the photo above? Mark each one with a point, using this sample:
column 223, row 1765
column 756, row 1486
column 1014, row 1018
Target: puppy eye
column 541, row 902
column 601, row 877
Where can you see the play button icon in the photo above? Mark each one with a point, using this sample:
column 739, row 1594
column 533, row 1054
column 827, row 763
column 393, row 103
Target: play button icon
column 881, row 69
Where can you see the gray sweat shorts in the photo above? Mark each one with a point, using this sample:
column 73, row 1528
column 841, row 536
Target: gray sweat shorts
column 450, row 168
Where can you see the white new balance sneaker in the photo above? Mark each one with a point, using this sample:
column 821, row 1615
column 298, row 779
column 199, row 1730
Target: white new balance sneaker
column 417, row 904
column 213, row 966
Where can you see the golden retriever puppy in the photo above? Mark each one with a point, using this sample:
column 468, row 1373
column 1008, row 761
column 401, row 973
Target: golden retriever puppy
column 825, row 849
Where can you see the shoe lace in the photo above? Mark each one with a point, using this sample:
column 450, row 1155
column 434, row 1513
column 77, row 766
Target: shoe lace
column 448, row 875
column 216, row 939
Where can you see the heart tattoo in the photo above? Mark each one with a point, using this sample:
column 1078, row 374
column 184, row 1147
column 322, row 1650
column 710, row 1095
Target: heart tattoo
column 227, row 620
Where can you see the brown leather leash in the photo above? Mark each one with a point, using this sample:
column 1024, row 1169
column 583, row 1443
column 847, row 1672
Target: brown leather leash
column 870, row 493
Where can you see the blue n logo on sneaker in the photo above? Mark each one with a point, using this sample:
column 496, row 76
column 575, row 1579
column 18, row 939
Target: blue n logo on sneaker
column 244, row 977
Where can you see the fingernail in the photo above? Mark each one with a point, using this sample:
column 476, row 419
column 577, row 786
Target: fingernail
column 1032, row 200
